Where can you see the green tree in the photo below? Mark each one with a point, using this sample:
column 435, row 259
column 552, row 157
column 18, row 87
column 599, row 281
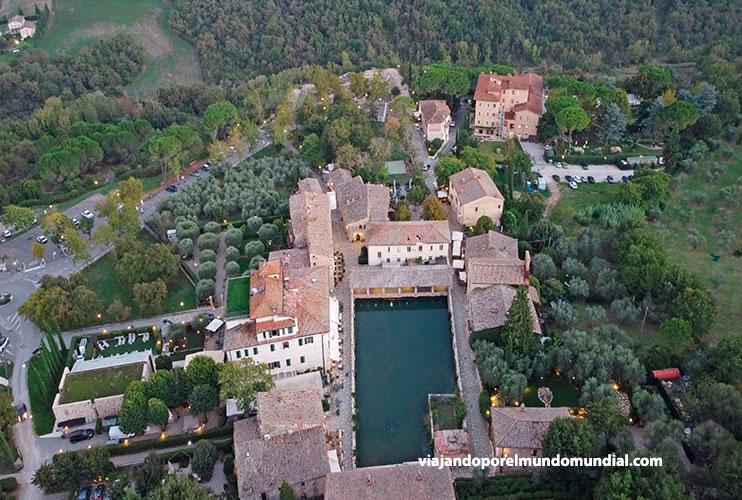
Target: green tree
column 148, row 476
column 268, row 234
column 696, row 306
column 205, row 289
column 403, row 213
column 242, row 380
column 433, row 209
column 555, row 104
column 70, row 470
column 287, row 492
column 46, row 478
column 417, row 194
column 472, row 157
column 37, row 250
column 160, row 387
column 202, row 399
column 164, row 151
column 150, row 297
column 641, row 482
column 677, row 334
column 180, row 385
column 204, row 458
column 20, row 217
column 484, row 225
column 56, row 224
column 202, row 370
column 133, row 418
column 253, row 248
column 605, row 417
column 612, row 124
column 311, row 150
column 446, row 167
column 157, row 412
column 179, row 488
column 219, row 119
column 518, row 336
column 649, row 406
column 283, row 121
column 97, row 461
column 680, row 115
column 572, row 119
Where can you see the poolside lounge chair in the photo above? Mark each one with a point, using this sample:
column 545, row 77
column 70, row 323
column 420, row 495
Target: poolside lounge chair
column 145, row 337
column 120, row 341
column 104, row 343
column 132, row 338
column 99, row 344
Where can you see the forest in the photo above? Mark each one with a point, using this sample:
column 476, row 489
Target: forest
column 240, row 38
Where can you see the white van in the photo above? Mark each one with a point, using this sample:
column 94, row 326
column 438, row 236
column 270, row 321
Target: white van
column 116, row 434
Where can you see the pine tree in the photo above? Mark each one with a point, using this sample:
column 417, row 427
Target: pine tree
column 518, row 335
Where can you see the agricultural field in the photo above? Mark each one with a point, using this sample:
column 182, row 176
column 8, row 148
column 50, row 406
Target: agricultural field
column 77, row 23
column 10, row 7
column 702, row 218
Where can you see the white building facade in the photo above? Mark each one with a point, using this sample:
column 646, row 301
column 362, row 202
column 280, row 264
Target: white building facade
column 398, row 243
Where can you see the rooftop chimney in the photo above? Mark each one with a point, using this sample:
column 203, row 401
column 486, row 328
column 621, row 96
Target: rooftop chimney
column 527, row 269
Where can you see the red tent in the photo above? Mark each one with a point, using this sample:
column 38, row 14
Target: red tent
column 666, row 374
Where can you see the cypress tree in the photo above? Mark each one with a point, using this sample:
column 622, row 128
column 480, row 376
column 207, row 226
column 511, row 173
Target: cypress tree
column 518, row 334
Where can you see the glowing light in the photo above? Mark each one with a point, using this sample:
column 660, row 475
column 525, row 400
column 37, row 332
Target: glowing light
column 615, row 387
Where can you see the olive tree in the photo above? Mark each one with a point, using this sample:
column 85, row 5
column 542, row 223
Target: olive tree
column 208, row 241
column 207, row 255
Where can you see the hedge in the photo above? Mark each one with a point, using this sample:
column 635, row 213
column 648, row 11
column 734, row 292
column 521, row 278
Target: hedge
column 8, row 484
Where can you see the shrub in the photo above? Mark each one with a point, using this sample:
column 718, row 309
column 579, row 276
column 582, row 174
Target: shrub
column 8, row 484
column 233, row 237
column 574, row 267
column 268, row 233
column 564, row 314
column 207, row 256
column 485, row 403
column 163, row 362
column 204, row 289
column 624, row 310
column 212, row 227
column 204, row 458
column 253, row 224
column 207, row 271
column 185, row 247
column 543, row 267
column 255, row 262
column 232, row 254
column 578, row 288
column 253, row 248
column 187, row 229
column 552, row 289
column 233, row 269
column 208, row 241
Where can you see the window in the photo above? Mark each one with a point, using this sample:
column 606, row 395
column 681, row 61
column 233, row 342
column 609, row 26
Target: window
column 254, row 350
column 476, row 209
column 398, row 259
column 273, row 365
column 431, row 248
column 291, row 329
column 301, row 341
column 309, row 340
column 239, row 354
column 388, row 249
column 440, row 247
column 285, row 345
column 273, row 347
column 409, row 249
column 387, row 259
column 302, row 359
column 420, row 248
column 399, row 249
column 378, row 254
column 288, row 362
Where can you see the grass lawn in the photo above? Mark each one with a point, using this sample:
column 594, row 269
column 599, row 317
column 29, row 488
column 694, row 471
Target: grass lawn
column 270, row 151
column 43, row 417
column 113, row 349
column 448, row 413
column 148, row 183
column 77, row 23
column 490, row 147
column 104, row 282
column 238, row 295
column 724, row 276
column 565, row 394
column 575, row 199
column 99, row 383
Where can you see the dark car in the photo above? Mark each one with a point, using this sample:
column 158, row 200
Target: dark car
column 172, row 189
column 22, row 412
column 584, row 166
column 556, row 177
column 568, row 178
column 99, row 491
column 591, row 179
column 630, row 177
column 625, row 178
column 81, row 435
column 609, row 179
column 85, row 493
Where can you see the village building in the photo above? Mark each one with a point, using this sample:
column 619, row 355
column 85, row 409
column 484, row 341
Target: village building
column 400, row 243
column 408, row 481
column 507, row 106
column 494, row 272
column 19, row 25
column 359, row 203
column 285, row 411
column 473, row 194
column 451, row 443
column 520, row 430
column 292, row 327
column 311, row 224
column 436, row 119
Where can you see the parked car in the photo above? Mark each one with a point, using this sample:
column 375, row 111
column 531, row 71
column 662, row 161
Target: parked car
column 625, row 178
column 576, row 179
column 568, row 178
column 573, row 185
column 609, row 179
column 99, row 491
column 556, row 178
column 7, row 233
column 426, row 167
column 22, row 412
column 631, row 178
column 584, row 166
column 591, row 179
column 81, row 435
column 206, row 166
column 87, row 214
column 172, row 188
column 75, row 222
column 3, row 343
column 85, row 493
column 195, row 173
column 452, row 125
column 41, row 239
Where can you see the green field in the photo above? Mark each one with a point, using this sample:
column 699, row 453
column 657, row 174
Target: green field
column 238, row 295
column 490, row 147
column 77, row 23
column 10, row 7
column 148, row 183
column 43, row 417
column 94, row 384
column 575, row 199
column 724, row 276
column 102, row 278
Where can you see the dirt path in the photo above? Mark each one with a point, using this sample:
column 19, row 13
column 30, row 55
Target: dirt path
column 556, row 194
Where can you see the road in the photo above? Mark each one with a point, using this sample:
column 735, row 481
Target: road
column 24, row 337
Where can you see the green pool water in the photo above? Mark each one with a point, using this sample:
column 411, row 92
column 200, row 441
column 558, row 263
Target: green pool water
column 403, row 353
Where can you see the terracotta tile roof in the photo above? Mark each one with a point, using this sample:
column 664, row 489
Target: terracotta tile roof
column 289, row 409
column 492, row 244
column 408, row 233
column 451, row 443
column 358, row 201
column 490, row 86
column 263, row 464
column 391, row 482
column 291, row 257
column 267, row 284
column 520, row 427
column 496, row 271
column 434, row 111
column 473, row 184
column 310, row 218
column 392, row 277
column 488, row 307
column 534, row 104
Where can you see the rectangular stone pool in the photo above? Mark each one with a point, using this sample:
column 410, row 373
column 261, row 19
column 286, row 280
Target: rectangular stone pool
column 403, row 353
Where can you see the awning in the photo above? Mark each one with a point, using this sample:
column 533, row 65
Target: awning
column 214, row 325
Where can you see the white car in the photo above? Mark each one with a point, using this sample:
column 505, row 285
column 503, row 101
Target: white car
column 452, row 125
column 41, row 239
column 7, row 233
column 3, row 344
column 573, row 185
column 75, row 222
column 87, row 214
